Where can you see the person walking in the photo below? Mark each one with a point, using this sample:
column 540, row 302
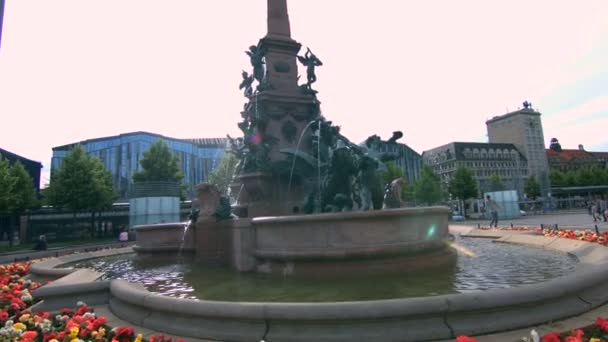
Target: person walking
column 492, row 207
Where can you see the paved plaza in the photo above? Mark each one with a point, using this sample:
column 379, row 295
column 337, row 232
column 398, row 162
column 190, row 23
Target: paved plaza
column 563, row 220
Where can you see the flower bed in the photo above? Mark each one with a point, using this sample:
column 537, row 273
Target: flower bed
column 583, row 235
column 69, row 326
column 18, row 323
column 525, row 229
column 598, row 332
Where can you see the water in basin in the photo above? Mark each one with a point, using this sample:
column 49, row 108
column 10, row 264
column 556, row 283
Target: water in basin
column 480, row 265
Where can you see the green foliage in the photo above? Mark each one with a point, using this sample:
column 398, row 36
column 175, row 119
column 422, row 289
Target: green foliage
column 392, row 172
column 496, row 183
column 428, row 188
column 224, row 173
column 81, row 183
column 25, row 193
column 584, row 177
column 557, row 178
column 532, row 188
column 463, row 185
column 159, row 164
column 17, row 192
column 570, row 178
column 7, row 186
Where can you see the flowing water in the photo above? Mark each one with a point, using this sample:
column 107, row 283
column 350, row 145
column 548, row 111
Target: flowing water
column 480, row 265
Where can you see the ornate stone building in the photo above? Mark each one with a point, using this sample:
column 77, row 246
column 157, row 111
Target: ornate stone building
column 483, row 159
column 523, row 128
column 571, row 159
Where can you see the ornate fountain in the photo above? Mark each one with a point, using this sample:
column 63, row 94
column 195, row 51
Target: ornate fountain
column 307, row 199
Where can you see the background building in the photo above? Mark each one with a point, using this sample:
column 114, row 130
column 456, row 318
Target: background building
column 571, row 159
column 523, row 128
column 121, row 155
column 32, row 167
column 484, row 160
column 409, row 161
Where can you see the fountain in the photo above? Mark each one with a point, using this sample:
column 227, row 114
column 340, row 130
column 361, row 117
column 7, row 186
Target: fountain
column 296, row 207
column 299, row 220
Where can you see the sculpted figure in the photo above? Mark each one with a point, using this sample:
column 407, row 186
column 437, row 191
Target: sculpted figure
column 246, row 83
column 392, row 197
column 310, row 61
column 212, row 206
column 257, row 61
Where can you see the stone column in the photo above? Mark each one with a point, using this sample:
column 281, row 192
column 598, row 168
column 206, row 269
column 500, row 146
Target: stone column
column 278, row 19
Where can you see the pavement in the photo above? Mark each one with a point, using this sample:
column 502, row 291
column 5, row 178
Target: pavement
column 6, row 258
column 576, row 220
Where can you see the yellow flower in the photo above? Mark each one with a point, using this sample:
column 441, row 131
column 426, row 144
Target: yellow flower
column 75, row 340
column 24, row 318
column 595, row 340
column 74, row 332
column 139, row 338
column 19, row 326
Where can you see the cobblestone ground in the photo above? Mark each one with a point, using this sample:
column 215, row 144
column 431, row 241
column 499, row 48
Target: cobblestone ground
column 566, row 220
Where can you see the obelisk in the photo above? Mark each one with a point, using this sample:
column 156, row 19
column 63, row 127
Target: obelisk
column 278, row 19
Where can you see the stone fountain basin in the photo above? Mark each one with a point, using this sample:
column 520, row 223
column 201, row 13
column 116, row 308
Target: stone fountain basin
column 345, row 242
column 411, row 319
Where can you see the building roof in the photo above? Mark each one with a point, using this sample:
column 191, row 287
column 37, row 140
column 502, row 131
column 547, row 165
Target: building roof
column 12, row 157
column 203, row 142
column 525, row 111
column 570, row 155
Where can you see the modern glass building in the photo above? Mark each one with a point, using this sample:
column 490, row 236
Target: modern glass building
column 121, row 155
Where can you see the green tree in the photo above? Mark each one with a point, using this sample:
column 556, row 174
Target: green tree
column 600, row 176
column 463, row 185
column 25, row 193
column 532, row 188
column 427, row 190
column 585, row 177
column 557, row 178
column 7, row 187
column 81, row 184
column 159, row 164
column 496, row 183
column 570, row 178
column 224, row 173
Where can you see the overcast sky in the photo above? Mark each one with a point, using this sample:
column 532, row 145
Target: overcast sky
column 72, row 70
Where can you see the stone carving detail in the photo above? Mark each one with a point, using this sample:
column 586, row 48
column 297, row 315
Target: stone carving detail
column 210, row 204
column 256, row 56
column 392, row 197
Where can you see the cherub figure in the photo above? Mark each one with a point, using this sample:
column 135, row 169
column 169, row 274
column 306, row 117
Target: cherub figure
column 246, row 83
column 310, row 61
column 256, row 56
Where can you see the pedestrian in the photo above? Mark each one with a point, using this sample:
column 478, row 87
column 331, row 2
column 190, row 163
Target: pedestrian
column 41, row 244
column 594, row 210
column 603, row 208
column 492, row 207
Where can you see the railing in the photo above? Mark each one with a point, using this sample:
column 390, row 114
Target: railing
column 155, row 189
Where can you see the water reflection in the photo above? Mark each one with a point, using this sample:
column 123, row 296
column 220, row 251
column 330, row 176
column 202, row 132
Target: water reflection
column 480, row 265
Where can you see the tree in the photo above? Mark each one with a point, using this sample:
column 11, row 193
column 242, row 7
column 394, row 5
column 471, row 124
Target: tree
column 427, row 190
column 557, row 178
column 463, row 185
column 81, row 184
column 7, row 187
column 24, row 191
column 585, row 177
column 496, row 183
column 570, row 178
column 159, row 164
column 224, row 173
column 532, row 188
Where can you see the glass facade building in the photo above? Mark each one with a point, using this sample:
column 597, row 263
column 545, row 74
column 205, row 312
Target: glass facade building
column 121, row 154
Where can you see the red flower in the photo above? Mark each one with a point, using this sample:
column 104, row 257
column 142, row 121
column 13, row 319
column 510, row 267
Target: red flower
column 462, row 339
column 124, row 332
column 82, row 310
column 29, row 335
column 551, row 337
column 3, row 315
column 602, row 323
column 65, row 311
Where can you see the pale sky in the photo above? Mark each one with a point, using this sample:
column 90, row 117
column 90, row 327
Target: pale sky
column 72, row 70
